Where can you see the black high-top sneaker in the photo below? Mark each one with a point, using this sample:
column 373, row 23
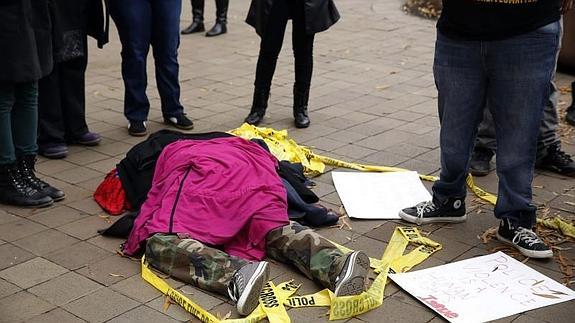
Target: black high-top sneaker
column 15, row 190
column 480, row 163
column 452, row 211
column 524, row 240
column 26, row 165
column 557, row 161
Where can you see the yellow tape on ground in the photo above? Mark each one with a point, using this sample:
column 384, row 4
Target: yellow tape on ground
column 557, row 223
column 274, row 298
column 284, row 148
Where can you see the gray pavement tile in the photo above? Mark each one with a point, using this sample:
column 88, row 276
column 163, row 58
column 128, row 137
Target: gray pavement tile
column 32, row 272
column 395, row 310
column 77, row 255
column 22, row 307
column 110, row 270
column 76, row 175
column 19, row 229
column 45, row 242
column 11, row 255
column 137, row 289
column 57, row 216
column 85, row 228
column 56, row 315
column 6, row 217
column 64, row 289
column 101, row 305
column 174, row 311
column 7, row 288
column 142, row 314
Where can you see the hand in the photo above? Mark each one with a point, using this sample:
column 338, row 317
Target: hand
column 566, row 5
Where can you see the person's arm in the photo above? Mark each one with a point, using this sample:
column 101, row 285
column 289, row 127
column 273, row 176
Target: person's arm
column 566, row 5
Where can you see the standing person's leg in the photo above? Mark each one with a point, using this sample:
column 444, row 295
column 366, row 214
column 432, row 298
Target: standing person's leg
column 133, row 18
column 72, row 86
column 51, row 129
column 302, row 43
column 570, row 115
column 208, row 268
column 197, row 24
column 520, row 70
column 485, row 146
column 165, row 43
column 270, row 47
column 461, row 83
column 220, row 27
column 318, row 259
column 18, row 135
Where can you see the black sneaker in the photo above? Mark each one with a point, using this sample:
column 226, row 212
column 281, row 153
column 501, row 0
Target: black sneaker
column 180, row 121
column 137, row 128
column 557, row 161
column 351, row 279
column 480, row 164
column 246, row 285
column 452, row 211
column 524, row 240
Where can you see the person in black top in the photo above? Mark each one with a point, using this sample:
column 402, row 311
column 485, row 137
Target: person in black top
column 197, row 25
column 269, row 18
column 499, row 54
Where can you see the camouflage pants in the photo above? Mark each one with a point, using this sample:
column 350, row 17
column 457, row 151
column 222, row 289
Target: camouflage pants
column 211, row 269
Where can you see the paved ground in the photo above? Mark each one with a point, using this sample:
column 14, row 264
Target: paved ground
column 373, row 100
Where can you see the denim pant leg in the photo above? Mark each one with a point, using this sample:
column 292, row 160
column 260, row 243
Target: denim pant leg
column 165, row 42
column 549, row 123
column 7, row 100
column 486, row 132
column 133, row 18
column 520, row 71
column 461, row 84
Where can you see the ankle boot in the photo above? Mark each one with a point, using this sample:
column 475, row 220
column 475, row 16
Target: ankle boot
column 221, row 19
column 259, row 106
column 26, row 166
column 197, row 24
column 15, row 190
column 300, row 99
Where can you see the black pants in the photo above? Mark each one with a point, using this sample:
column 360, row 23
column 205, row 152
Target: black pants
column 62, row 103
column 272, row 40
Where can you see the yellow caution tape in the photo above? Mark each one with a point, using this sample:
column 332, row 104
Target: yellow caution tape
column 284, row 148
column 557, row 223
column 274, row 298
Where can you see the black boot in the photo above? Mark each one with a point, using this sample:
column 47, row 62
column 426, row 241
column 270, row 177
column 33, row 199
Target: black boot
column 26, row 165
column 300, row 99
column 197, row 24
column 15, row 190
column 570, row 115
column 259, row 106
column 221, row 19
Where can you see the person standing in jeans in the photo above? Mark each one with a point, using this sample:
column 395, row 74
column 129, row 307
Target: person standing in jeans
column 25, row 57
column 197, row 25
column 500, row 55
column 269, row 18
column 142, row 23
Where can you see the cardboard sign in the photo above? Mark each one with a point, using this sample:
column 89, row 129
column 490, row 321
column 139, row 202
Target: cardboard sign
column 378, row 195
column 483, row 288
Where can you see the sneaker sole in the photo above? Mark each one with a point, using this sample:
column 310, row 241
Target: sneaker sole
column 249, row 299
column 443, row 219
column 137, row 134
column 479, row 173
column 353, row 281
column 169, row 123
column 527, row 252
column 58, row 155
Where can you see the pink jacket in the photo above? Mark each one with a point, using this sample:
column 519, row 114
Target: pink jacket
column 223, row 192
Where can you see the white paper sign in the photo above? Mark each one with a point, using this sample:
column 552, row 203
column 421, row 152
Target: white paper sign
column 482, row 289
column 378, row 195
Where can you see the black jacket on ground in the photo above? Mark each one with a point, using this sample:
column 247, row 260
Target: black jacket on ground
column 319, row 15
column 25, row 40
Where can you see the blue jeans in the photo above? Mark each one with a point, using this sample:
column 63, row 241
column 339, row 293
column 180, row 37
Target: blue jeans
column 512, row 77
column 142, row 23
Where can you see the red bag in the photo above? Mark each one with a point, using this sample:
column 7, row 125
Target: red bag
column 110, row 195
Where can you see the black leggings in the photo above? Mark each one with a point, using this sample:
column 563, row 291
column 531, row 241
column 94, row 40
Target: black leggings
column 272, row 39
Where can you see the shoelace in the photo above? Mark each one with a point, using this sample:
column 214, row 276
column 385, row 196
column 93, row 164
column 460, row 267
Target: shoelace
column 422, row 208
column 28, row 173
column 20, row 184
column 234, row 288
column 526, row 235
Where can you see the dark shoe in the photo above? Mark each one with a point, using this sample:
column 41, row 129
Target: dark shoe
column 137, row 128
column 300, row 100
column 524, row 240
column 480, row 164
column 180, row 122
column 15, row 190
column 221, row 19
column 557, row 161
column 197, row 24
column 259, row 106
column 247, row 284
column 54, row 151
column 88, row 139
column 452, row 211
column 26, row 165
column 351, row 279
column 570, row 115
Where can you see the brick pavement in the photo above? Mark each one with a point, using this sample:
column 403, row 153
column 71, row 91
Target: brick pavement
column 373, row 100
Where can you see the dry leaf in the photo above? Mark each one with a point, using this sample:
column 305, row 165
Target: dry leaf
column 167, row 303
column 116, row 275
